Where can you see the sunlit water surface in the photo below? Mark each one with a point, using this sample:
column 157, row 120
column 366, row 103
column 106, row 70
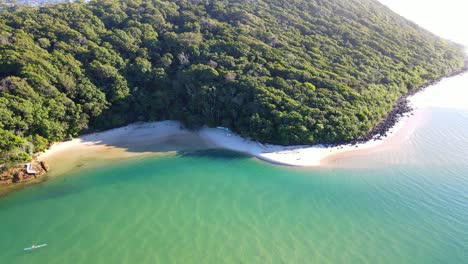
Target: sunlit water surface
column 407, row 205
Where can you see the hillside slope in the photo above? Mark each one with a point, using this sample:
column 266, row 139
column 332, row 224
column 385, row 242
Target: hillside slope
column 278, row 71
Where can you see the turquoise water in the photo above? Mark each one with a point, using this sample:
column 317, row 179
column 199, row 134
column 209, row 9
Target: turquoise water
column 222, row 207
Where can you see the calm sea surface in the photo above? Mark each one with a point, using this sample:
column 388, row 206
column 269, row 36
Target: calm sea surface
column 404, row 205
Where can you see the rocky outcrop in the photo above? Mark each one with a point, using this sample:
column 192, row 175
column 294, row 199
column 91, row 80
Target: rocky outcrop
column 44, row 166
column 18, row 174
column 401, row 108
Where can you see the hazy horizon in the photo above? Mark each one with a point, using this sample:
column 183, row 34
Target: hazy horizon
column 447, row 18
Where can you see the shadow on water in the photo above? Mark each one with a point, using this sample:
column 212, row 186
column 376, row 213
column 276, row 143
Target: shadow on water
column 187, row 146
column 6, row 190
column 58, row 192
column 216, row 154
column 46, row 193
column 115, row 176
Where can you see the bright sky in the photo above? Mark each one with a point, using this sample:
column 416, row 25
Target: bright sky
column 446, row 18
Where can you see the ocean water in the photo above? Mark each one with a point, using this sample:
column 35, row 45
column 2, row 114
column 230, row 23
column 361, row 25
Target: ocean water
column 404, row 205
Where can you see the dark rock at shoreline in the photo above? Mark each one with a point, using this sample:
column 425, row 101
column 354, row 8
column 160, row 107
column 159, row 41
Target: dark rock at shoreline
column 18, row 174
column 400, row 108
column 44, row 166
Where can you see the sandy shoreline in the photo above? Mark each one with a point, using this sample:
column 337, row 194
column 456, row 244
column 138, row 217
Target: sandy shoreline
column 169, row 137
column 135, row 140
column 302, row 156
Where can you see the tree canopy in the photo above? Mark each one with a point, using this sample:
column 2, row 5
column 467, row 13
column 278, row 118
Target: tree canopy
column 277, row 71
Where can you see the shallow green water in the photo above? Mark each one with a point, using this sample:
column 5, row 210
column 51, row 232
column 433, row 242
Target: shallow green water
column 222, row 207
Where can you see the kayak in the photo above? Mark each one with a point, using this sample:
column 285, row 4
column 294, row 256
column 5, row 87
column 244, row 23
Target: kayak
column 35, row 247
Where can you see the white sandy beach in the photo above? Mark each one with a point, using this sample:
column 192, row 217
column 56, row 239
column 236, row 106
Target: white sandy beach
column 293, row 155
column 133, row 140
column 168, row 137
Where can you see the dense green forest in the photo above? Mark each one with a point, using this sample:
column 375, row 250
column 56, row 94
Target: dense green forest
column 278, row 71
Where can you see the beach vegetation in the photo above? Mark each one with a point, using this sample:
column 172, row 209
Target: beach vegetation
column 283, row 72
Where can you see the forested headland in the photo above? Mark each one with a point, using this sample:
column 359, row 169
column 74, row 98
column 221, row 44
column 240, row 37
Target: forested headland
column 277, row 71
